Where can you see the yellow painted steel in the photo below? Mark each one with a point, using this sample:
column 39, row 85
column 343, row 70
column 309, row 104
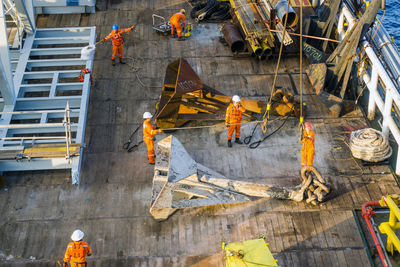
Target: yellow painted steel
column 251, row 37
column 389, row 228
column 296, row 3
column 249, row 253
column 266, row 48
column 49, row 151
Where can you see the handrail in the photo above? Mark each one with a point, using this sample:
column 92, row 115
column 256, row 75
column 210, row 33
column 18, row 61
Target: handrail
column 367, row 213
column 375, row 76
column 389, row 228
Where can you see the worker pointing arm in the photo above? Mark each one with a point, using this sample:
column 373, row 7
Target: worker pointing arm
column 117, row 42
column 149, row 131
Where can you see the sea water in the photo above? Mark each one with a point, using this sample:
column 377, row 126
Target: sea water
column 391, row 21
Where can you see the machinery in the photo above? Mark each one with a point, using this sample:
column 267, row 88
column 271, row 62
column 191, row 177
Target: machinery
column 184, row 97
column 181, row 182
column 161, row 25
column 261, row 25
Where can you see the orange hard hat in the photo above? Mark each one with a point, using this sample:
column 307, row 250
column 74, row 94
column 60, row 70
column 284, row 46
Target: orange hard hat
column 307, row 124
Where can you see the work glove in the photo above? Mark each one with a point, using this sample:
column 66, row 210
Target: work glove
column 102, row 40
column 226, row 125
column 133, row 27
column 159, row 130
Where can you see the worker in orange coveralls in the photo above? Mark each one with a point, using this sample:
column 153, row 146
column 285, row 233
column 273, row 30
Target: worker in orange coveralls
column 176, row 21
column 149, row 131
column 117, row 41
column 77, row 250
column 233, row 119
column 307, row 150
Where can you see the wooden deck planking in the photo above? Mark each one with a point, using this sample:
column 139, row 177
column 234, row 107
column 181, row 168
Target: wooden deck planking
column 118, row 220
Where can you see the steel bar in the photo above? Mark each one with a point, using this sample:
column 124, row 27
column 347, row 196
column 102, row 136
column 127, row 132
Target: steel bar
column 6, row 82
column 389, row 51
column 33, row 138
column 308, row 36
column 39, row 111
column 285, row 38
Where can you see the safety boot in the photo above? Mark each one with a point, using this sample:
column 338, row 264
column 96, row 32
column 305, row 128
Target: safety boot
column 121, row 61
column 113, row 62
column 229, row 143
column 237, row 141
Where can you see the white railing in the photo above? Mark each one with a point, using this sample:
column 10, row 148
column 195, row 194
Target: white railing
column 345, row 17
column 375, row 76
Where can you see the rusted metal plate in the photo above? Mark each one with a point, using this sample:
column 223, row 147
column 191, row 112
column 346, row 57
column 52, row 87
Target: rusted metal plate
column 316, row 74
column 184, row 97
column 313, row 54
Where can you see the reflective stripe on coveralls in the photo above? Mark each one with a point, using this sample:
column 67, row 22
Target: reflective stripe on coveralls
column 175, row 22
column 117, row 41
column 76, row 253
column 234, row 118
column 307, row 150
column 149, row 131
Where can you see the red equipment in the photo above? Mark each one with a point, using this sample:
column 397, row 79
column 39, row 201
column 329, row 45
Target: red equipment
column 367, row 213
column 81, row 76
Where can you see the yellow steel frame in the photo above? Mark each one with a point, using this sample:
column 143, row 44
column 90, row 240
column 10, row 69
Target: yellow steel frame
column 250, row 36
column 389, row 228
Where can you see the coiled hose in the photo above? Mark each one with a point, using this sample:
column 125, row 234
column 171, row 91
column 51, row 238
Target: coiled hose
column 370, row 145
column 212, row 11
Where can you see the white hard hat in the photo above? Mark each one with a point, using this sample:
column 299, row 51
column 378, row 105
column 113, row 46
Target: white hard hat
column 147, row 115
column 236, row 98
column 77, row 235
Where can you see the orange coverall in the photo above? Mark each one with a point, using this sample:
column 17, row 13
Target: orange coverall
column 307, row 150
column 117, row 41
column 76, row 253
column 149, row 131
column 234, row 118
column 175, row 21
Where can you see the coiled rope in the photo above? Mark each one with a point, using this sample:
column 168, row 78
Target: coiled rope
column 370, row 145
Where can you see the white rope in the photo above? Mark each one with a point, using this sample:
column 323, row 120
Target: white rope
column 370, row 145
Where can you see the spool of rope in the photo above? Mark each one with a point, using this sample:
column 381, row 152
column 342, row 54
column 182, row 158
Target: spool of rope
column 370, row 145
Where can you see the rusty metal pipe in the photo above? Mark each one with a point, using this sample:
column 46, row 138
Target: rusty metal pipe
column 233, row 37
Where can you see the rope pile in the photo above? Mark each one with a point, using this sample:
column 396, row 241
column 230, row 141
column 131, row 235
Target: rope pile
column 212, row 11
column 370, row 145
column 313, row 186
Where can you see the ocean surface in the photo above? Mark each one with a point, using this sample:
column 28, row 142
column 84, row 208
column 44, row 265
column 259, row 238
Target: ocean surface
column 391, row 21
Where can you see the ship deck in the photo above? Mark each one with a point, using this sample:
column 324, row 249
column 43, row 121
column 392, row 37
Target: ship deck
column 40, row 210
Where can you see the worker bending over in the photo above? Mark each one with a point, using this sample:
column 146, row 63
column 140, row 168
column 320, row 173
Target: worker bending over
column 176, row 21
column 307, row 150
column 117, row 41
column 77, row 250
column 149, row 131
column 233, row 119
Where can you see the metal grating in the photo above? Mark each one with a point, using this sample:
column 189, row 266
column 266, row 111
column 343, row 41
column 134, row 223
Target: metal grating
column 64, row 6
column 46, row 85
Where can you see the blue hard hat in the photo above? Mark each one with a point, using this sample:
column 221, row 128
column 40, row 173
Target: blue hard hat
column 115, row 27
